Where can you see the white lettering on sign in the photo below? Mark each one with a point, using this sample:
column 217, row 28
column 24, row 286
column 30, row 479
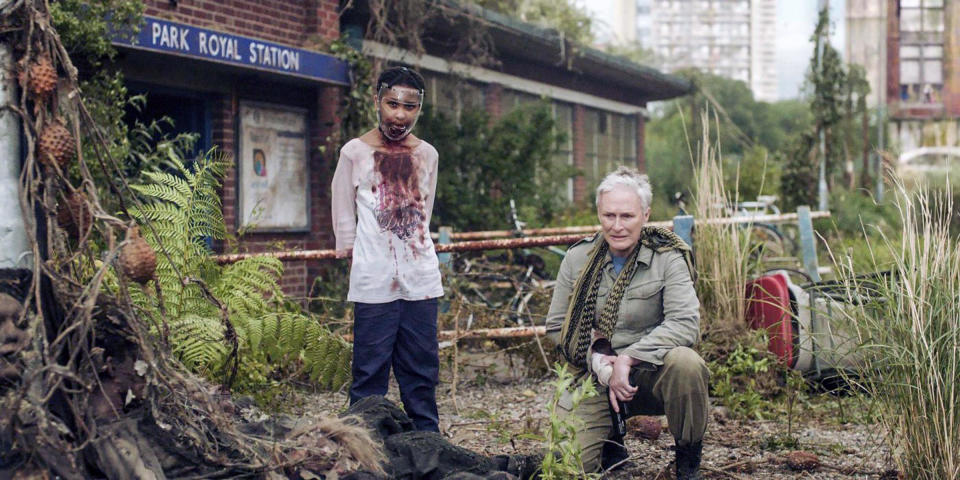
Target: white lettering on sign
column 170, row 36
column 270, row 56
column 218, row 46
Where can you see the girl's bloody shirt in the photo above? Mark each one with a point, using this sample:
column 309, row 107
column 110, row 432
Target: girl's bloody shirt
column 381, row 207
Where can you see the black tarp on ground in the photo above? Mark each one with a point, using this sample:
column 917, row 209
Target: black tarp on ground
column 413, row 455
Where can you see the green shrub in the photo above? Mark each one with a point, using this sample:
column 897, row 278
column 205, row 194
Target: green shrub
column 484, row 164
column 742, row 381
column 798, row 182
column 852, row 211
column 756, row 173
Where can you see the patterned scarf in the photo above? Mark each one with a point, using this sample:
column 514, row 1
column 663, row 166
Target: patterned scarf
column 581, row 317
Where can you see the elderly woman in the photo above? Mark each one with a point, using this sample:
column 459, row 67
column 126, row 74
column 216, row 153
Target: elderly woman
column 624, row 311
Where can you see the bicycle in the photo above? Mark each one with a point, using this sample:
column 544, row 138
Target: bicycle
column 772, row 245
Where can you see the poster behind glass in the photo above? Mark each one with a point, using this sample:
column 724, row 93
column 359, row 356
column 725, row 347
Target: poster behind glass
column 273, row 178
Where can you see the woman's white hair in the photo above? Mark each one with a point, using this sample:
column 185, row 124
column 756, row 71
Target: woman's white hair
column 630, row 178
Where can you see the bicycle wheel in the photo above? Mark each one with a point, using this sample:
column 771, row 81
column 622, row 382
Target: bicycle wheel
column 770, row 245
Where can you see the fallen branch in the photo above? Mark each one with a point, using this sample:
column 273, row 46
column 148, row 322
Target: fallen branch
column 733, row 465
column 850, row 470
column 721, row 471
column 229, row 334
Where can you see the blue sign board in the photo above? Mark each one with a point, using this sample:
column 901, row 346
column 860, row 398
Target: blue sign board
column 186, row 40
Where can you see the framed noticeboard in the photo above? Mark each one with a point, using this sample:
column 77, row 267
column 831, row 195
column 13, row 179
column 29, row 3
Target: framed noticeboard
column 273, row 175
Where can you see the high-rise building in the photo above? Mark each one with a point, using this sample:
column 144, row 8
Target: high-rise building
column 910, row 50
column 731, row 38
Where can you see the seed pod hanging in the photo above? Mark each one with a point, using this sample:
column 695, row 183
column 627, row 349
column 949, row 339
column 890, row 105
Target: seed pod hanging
column 42, row 77
column 73, row 214
column 137, row 259
column 56, row 144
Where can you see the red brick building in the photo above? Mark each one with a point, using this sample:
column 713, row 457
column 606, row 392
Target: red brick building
column 247, row 76
column 598, row 100
column 923, row 82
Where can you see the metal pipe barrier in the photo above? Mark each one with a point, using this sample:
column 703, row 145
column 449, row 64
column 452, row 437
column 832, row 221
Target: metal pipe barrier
column 682, row 224
column 531, row 232
column 492, row 243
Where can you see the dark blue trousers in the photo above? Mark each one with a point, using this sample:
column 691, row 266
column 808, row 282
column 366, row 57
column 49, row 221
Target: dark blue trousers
column 402, row 334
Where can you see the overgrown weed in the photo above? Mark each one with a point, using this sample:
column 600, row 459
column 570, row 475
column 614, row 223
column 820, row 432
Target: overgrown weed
column 563, row 458
column 722, row 254
column 908, row 324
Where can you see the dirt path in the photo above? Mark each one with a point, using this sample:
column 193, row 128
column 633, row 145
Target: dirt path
column 498, row 418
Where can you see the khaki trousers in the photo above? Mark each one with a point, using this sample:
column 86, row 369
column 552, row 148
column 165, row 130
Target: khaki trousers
column 677, row 389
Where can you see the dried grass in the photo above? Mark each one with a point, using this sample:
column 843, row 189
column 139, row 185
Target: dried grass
column 908, row 324
column 722, row 252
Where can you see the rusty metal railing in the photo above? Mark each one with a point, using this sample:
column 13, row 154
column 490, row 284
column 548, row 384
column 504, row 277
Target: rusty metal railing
column 492, row 240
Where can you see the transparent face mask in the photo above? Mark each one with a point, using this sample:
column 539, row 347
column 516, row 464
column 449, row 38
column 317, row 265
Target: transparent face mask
column 392, row 129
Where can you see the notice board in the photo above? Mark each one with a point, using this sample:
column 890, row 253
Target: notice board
column 273, row 174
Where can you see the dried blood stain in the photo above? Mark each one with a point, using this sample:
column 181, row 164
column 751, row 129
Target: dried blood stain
column 399, row 205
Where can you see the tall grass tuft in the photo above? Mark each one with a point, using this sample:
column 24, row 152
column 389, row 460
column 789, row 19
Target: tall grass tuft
column 908, row 323
column 722, row 251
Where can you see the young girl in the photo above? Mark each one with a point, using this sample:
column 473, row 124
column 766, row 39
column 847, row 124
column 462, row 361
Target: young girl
column 382, row 197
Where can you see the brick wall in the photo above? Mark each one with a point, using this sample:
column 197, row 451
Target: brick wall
column 579, row 152
column 321, row 164
column 291, row 22
column 299, row 23
column 893, row 52
column 491, row 100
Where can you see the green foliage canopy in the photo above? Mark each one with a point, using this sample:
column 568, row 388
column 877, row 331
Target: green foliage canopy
column 753, row 137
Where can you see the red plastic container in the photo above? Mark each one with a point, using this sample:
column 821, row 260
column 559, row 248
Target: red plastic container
column 769, row 307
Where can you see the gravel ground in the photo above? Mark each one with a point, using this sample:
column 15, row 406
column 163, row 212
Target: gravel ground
column 505, row 416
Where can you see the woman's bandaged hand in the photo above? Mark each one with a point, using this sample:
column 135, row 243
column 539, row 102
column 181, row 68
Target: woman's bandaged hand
column 600, row 364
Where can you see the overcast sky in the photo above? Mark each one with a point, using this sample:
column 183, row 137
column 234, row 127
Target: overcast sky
column 796, row 20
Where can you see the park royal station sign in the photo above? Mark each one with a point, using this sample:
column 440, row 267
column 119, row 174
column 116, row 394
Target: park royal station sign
column 189, row 41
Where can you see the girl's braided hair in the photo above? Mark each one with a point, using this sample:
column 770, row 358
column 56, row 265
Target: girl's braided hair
column 403, row 76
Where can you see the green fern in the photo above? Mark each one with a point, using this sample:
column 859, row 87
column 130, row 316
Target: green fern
column 181, row 209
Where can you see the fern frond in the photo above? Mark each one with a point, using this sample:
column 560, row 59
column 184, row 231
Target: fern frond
column 162, row 192
column 168, row 214
column 198, row 341
column 271, row 332
column 173, row 182
column 180, row 213
column 254, row 332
